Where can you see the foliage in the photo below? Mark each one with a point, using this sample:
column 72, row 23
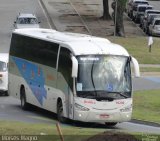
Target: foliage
column 119, row 17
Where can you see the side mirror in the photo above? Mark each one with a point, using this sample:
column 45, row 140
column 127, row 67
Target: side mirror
column 136, row 67
column 74, row 66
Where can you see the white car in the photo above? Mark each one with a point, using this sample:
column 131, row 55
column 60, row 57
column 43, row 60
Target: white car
column 154, row 27
column 4, row 73
column 133, row 3
column 26, row 21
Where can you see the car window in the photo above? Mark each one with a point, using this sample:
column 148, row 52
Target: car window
column 20, row 21
column 33, row 21
column 27, row 21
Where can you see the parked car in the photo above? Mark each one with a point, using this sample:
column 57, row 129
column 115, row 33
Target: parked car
column 149, row 20
column 4, row 73
column 144, row 17
column 139, row 11
column 24, row 20
column 154, row 27
column 133, row 3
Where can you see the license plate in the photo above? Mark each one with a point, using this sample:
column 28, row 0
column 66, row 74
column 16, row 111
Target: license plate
column 104, row 116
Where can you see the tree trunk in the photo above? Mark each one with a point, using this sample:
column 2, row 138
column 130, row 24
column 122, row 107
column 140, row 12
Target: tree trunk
column 106, row 15
column 119, row 18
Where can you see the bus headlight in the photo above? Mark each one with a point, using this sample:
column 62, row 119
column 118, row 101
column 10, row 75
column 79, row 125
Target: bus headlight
column 80, row 107
column 126, row 109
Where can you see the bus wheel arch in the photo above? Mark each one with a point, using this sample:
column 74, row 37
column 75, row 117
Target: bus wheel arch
column 24, row 104
column 60, row 112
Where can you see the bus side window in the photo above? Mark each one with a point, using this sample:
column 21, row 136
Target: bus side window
column 35, row 50
column 65, row 65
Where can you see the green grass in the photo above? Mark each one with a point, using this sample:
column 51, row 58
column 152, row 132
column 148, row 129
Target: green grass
column 35, row 130
column 146, row 105
column 138, row 47
column 18, row 128
column 146, row 69
column 50, row 131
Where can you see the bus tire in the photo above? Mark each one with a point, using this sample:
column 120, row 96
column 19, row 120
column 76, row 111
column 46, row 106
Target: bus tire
column 24, row 104
column 110, row 124
column 60, row 115
column 6, row 93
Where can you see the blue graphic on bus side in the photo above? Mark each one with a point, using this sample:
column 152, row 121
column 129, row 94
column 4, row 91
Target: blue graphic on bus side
column 34, row 77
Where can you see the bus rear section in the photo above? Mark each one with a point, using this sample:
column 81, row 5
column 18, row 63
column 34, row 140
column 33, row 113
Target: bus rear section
column 4, row 73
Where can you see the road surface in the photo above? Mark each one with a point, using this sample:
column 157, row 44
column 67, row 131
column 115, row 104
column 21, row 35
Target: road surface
column 10, row 110
column 9, row 9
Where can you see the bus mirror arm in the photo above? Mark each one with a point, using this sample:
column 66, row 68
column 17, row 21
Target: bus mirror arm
column 74, row 67
column 136, row 67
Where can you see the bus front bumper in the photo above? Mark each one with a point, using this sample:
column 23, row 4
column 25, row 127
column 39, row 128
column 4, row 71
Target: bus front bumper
column 102, row 116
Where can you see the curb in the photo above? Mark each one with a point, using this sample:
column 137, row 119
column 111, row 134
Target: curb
column 48, row 15
column 149, row 123
column 140, row 30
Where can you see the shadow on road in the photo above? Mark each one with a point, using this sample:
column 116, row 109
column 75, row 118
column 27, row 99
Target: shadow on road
column 12, row 108
column 52, row 116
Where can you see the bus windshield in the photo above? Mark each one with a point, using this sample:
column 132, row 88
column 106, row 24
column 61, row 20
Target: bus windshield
column 101, row 76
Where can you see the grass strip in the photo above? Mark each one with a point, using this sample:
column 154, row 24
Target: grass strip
column 146, row 105
column 138, row 47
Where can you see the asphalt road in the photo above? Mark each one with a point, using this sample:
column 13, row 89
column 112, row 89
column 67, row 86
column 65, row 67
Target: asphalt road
column 10, row 107
column 146, row 83
column 10, row 110
column 9, row 9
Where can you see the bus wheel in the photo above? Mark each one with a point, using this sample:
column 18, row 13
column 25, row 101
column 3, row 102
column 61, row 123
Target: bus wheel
column 24, row 104
column 60, row 115
column 6, row 93
column 110, row 124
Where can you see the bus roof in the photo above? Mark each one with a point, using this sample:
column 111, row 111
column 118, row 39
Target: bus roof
column 79, row 44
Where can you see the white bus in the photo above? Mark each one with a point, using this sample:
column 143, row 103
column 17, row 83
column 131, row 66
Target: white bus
column 77, row 76
column 4, row 73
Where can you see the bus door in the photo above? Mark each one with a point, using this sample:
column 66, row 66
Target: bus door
column 65, row 81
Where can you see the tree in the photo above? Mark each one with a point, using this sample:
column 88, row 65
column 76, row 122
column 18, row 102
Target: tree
column 106, row 15
column 119, row 8
column 119, row 19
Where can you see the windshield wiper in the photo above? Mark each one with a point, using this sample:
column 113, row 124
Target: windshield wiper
column 103, row 95
column 86, row 94
column 121, row 94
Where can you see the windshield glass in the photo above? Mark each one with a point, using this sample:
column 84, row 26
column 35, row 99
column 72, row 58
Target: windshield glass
column 27, row 21
column 142, row 9
column 104, row 75
column 3, row 66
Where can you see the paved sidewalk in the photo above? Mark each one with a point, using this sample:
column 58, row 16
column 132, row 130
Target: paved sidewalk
column 64, row 17
column 150, row 66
